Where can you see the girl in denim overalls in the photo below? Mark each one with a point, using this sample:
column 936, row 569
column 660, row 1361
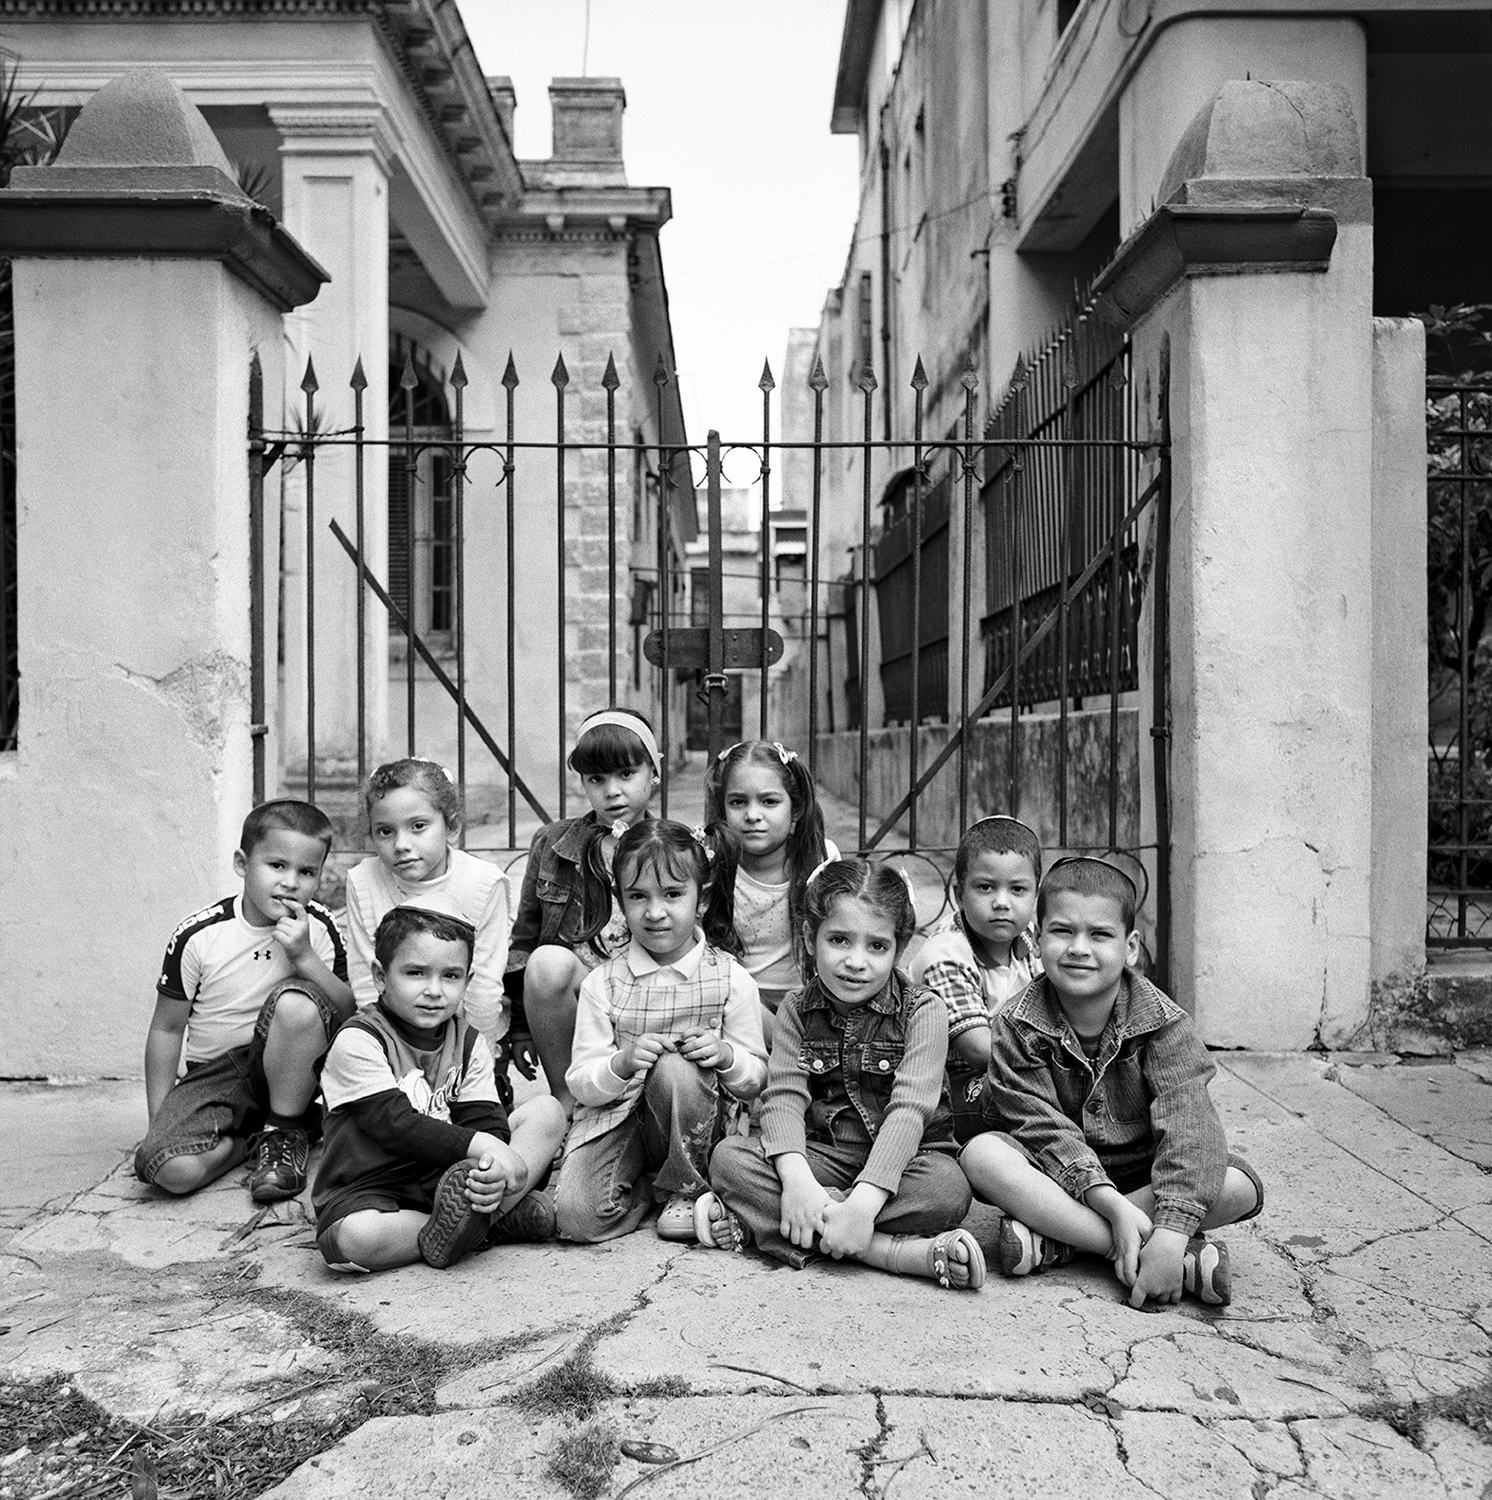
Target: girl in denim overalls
column 568, row 922
column 856, row 1155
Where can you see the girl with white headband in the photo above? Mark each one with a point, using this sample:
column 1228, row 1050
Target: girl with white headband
column 568, row 922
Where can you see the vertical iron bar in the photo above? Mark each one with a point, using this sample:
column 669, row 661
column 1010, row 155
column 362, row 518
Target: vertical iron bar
column 1160, row 729
column 665, row 470
column 1120, row 503
column 885, row 295
column 1068, row 470
column 561, row 378
column 610, row 381
column 867, row 386
column 715, row 689
column 765, row 386
column 258, row 729
column 1013, row 748
column 359, row 385
column 1463, row 730
column 818, row 383
column 308, row 385
column 510, row 384
column 407, row 383
column 458, row 478
column 970, row 384
column 919, row 385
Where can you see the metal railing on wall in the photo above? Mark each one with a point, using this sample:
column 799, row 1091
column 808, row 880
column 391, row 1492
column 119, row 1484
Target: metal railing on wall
column 1459, row 874
column 1063, row 489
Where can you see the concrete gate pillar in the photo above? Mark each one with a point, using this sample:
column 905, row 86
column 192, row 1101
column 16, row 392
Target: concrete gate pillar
column 1256, row 269
column 335, row 163
column 144, row 283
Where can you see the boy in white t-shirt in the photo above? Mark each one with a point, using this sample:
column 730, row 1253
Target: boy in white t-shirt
column 255, row 986
column 986, row 956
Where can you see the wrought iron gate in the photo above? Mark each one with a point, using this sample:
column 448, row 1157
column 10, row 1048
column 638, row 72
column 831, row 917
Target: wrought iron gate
column 1075, row 500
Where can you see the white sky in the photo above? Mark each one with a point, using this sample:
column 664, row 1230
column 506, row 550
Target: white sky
column 727, row 105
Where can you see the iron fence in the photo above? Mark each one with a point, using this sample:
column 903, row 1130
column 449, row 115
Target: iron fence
column 1087, row 507
column 1063, row 493
column 1459, row 875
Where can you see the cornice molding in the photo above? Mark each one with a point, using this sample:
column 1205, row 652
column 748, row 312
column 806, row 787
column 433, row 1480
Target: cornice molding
column 1182, row 240
column 132, row 221
column 425, row 40
column 323, row 129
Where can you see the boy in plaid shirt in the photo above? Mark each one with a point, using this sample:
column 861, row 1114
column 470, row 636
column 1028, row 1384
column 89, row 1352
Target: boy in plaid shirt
column 986, row 956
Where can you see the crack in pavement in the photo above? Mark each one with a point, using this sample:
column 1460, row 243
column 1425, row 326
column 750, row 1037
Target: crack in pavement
column 874, row 1450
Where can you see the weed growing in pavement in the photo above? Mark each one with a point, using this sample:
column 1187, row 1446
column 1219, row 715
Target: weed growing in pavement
column 1471, row 1406
column 572, row 1388
column 397, row 1375
column 65, row 1443
column 74, row 1446
column 660, row 1387
column 583, row 1459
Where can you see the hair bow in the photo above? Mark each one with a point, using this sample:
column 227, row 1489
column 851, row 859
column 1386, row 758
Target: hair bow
column 785, row 755
column 699, row 836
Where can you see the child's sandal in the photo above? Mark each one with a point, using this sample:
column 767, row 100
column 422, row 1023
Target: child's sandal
column 705, row 1221
column 943, row 1243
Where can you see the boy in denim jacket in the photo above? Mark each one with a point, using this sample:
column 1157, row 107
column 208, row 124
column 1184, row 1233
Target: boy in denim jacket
column 1114, row 1146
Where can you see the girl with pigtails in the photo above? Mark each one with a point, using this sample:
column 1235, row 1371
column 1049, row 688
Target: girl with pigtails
column 856, row 1155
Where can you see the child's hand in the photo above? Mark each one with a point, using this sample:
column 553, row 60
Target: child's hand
column 293, row 931
column 521, row 1053
column 1159, row 1277
column 849, row 1225
column 705, row 1049
column 1130, row 1228
column 642, row 1054
column 804, row 1199
column 499, row 1171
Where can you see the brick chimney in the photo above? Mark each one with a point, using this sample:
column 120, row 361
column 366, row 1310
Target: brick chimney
column 587, row 130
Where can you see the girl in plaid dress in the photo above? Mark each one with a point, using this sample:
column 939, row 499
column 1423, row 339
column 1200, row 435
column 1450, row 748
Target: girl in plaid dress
column 666, row 1033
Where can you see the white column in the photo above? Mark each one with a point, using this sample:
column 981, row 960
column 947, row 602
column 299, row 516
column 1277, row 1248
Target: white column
column 335, row 162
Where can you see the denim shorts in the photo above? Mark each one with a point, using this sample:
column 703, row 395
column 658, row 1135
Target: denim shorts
column 226, row 1095
column 1131, row 1179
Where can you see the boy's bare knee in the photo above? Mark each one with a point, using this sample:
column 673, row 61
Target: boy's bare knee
column 550, row 971
column 995, row 1160
column 542, row 1116
column 179, row 1174
column 297, row 1017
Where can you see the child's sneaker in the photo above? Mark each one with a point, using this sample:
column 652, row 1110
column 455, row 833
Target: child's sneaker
column 454, row 1226
column 1205, row 1272
column 281, row 1169
column 530, row 1221
column 676, row 1221
column 1019, row 1250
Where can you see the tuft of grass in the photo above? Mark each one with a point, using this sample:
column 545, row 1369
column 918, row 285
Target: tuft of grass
column 400, row 1375
column 1471, row 1406
column 583, row 1459
column 574, row 1387
column 660, row 1386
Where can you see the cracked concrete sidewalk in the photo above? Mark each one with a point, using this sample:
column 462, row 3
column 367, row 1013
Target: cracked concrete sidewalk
column 1354, row 1360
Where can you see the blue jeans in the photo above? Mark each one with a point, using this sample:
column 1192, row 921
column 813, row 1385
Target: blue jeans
column 933, row 1195
column 227, row 1095
column 607, row 1186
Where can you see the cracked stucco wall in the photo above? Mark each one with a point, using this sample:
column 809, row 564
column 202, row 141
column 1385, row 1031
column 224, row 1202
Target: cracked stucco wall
column 120, row 810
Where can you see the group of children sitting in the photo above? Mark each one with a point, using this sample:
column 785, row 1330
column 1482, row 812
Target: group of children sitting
column 727, row 1029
